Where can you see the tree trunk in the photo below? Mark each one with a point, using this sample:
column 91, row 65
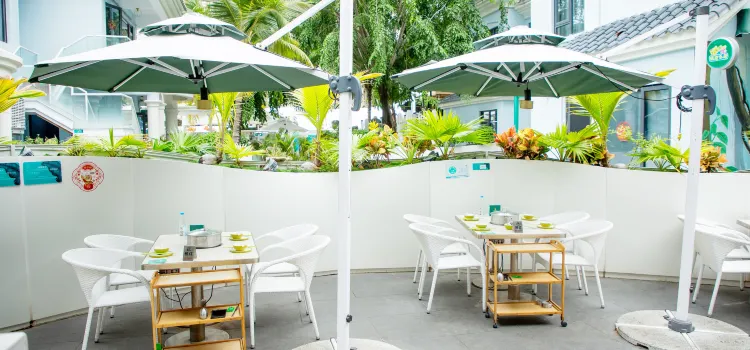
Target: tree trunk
column 385, row 104
column 237, row 124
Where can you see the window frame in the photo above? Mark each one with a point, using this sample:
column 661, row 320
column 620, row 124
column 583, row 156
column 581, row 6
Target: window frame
column 123, row 21
column 566, row 23
column 642, row 94
column 4, row 18
column 489, row 121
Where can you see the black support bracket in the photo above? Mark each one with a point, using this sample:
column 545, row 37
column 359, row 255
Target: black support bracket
column 345, row 84
column 700, row 92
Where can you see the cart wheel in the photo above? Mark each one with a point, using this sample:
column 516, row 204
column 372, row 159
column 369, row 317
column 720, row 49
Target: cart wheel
column 564, row 323
column 494, row 325
column 486, row 315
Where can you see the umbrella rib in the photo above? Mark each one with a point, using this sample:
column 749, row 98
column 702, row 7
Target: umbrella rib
column 490, row 72
column 124, row 81
column 217, row 68
column 168, row 66
column 226, row 70
column 526, row 77
column 507, row 69
column 551, row 87
column 486, row 82
column 285, row 85
column 523, row 67
column 441, row 76
column 66, row 70
column 594, row 72
column 553, row 72
column 152, row 66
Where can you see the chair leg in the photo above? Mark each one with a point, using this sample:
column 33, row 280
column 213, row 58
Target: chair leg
column 309, row 303
column 251, row 314
column 112, row 309
column 299, row 295
column 99, row 317
column 416, row 268
column 484, row 288
column 533, row 269
column 585, row 284
column 307, row 309
column 458, row 275
column 432, row 289
column 88, row 328
column 698, row 282
column 567, row 273
column 468, row 281
column 742, row 282
column 599, row 284
column 716, row 292
column 421, row 279
column 578, row 276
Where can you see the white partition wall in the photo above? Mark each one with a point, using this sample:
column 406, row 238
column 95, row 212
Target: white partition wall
column 144, row 198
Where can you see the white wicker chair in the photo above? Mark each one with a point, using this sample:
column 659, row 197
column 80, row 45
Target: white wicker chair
column 589, row 238
column 559, row 220
column 434, row 240
column 714, row 245
column 118, row 242
column 741, row 253
column 279, row 236
column 93, row 266
column 303, row 253
column 453, row 249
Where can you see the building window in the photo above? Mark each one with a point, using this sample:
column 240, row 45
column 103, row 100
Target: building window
column 568, row 17
column 3, row 22
column 494, row 30
column 489, row 118
column 646, row 112
column 117, row 24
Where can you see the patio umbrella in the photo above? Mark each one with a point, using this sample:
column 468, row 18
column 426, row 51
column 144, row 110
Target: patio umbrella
column 285, row 124
column 543, row 69
column 190, row 54
column 519, row 35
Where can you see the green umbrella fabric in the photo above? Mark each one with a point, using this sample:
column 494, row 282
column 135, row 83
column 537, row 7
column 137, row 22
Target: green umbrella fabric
column 178, row 63
column 507, row 70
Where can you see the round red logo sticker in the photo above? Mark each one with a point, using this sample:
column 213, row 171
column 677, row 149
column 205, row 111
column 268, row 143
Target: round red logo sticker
column 87, row 176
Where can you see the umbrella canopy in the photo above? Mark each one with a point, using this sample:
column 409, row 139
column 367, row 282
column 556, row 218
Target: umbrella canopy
column 194, row 23
column 519, row 35
column 179, row 61
column 285, row 124
column 507, row 70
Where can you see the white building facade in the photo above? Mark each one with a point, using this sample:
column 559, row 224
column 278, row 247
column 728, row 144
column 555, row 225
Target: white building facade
column 38, row 30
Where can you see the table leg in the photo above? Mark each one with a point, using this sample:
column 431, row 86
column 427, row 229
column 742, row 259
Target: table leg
column 514, row 291
column 197, row 332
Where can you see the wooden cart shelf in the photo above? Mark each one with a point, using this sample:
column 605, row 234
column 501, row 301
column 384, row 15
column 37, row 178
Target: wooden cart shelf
column 523, row 248
column 231, row 344
column 522, row 308
column 197, row 278
column 188, row 317
column 528, row 278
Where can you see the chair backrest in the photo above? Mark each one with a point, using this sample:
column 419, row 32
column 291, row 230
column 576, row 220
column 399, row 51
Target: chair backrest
column 114, row 242
column 434, row 239
column 592, row 234
column 285, row 234
column 566, row 218
column 704, row 222
column 92, row 267
column 714, row 243
column 302, row 252
column 421, row 219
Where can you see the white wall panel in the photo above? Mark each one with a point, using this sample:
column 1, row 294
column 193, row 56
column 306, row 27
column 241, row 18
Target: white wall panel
column 14, row 297
column 60, row 216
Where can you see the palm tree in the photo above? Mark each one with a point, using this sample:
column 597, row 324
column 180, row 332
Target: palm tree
column 446, row 130
column 601, row 109
column 258, row 19
column 223, row 103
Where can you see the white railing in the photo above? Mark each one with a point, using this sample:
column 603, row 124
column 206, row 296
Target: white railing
column 29, row 58
column 91, row 42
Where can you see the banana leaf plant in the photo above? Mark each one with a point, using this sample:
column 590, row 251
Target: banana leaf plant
column 445, row 130
column 10, row 93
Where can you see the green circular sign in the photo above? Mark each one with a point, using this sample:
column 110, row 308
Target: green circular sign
column 722, row 53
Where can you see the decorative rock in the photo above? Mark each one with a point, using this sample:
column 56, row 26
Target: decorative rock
column 308, row 166
column 208, row 159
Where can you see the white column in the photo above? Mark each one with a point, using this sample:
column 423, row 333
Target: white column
column 693, row 176
column 9, row 64
column 171, row 113
column 155, row 109
column 345, row 176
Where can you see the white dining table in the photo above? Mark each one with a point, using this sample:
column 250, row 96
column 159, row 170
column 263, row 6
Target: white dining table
column 531, row 230
column 208, row 257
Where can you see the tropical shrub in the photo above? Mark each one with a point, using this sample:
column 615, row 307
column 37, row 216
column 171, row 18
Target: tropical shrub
column 10, row 93
column 444, row 131
column 77, row 146
column 112, row 147
column 410, row 149
column 658, row 152
column 377, row 144
column 163, row 146
column 188, row 143
column 237, row 152
column 712, row 158
column 522, row 145
column 583, row 146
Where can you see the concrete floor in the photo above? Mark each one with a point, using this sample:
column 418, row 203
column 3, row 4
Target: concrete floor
column 385, row 307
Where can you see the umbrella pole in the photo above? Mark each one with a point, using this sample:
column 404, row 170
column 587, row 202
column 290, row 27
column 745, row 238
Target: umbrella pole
column 681, row 322
column 345, row 172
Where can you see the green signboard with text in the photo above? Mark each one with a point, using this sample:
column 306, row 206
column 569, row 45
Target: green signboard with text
column 722, row 53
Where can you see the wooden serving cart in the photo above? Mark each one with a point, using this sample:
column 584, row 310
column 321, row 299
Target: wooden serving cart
column 191, row 316
column 497, row 308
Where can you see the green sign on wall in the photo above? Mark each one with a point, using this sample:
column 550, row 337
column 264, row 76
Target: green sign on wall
column 722, row 53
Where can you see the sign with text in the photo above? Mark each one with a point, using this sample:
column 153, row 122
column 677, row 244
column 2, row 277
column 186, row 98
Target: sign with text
column 518, row 226
column 455, row 170
column 40, row 173
column 480, row 166
column 722, row 53
column 189, row 253
column 10, row 174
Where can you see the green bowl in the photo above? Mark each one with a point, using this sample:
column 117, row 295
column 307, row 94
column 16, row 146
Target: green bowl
column 161, row 250
column 239, row 247
column 545, row 224
column 527, row 217
column 508, row 226
column 237, row 236
column 481, row 226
